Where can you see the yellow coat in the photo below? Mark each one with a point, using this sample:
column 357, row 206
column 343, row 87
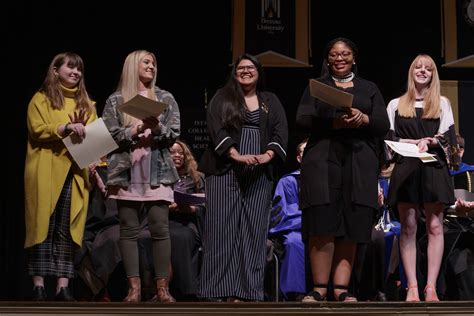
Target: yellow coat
column 46, row 168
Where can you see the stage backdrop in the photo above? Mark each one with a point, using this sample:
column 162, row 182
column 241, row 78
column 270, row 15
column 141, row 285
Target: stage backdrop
column 276, row 31
column 458, row 25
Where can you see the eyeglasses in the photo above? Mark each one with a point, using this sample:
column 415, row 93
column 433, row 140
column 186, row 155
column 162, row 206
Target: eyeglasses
column 344, row 55
column 179, row 153
column 249, row 68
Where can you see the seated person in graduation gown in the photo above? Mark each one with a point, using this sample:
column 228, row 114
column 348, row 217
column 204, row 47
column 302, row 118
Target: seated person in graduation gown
column 285, row 226
column 457, row 279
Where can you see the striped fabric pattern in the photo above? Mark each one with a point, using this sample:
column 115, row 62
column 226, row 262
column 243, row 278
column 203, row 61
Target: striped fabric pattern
column 236, row 225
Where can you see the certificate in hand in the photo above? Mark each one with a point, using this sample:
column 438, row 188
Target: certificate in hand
column 189, row 199
column 410, row 150
column 97, row 143
column 141, row 107
column 330, row 95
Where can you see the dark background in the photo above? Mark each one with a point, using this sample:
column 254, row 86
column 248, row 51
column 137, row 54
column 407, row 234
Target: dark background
column 192, row 41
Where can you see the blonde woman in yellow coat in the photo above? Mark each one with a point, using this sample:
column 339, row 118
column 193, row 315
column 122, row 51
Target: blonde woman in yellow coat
column 56, row 194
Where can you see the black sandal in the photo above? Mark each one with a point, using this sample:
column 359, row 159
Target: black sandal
column 344, row 296
column 315, row 296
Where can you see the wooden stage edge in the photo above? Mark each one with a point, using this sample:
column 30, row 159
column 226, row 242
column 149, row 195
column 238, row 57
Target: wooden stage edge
column 8, row 308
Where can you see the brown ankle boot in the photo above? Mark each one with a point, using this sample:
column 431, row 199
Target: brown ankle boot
column 162, row 293
column 134, row 290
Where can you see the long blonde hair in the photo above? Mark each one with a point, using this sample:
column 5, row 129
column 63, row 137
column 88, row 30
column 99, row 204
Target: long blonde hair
column 432, row 95
column 130, row 80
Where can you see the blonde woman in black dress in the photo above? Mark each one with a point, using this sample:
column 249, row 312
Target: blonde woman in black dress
column 423, row 117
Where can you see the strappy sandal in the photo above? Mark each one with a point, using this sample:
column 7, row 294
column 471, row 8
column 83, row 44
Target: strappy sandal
column 415, row 288
column 433, row 296
column 345, row 296
column 315, row 296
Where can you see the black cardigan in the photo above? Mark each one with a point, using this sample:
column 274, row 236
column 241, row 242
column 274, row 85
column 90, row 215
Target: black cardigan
column 316, row 117
column 273, row 134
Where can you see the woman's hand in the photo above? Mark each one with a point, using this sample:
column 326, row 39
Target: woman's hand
column 249, row 160
column 423, row 145
column 77, row 128
column 353, row 118
column 431, row 141
column 79, row 117
column 149, row 122
column 174, row 207
column 265, row 157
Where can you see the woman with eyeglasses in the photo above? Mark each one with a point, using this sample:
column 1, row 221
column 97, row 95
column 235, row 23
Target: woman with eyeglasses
column 339, row 171
column 248, row 131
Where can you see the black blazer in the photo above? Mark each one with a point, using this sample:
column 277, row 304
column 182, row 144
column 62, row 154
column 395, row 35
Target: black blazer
column 273, row 134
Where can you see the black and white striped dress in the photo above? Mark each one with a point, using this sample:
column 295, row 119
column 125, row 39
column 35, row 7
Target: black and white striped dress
column 236, row 225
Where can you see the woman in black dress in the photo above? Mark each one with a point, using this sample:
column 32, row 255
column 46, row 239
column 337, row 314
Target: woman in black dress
column 423, row 117
column 339, row 171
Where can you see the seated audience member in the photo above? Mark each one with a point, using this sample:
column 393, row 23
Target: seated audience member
column 456, row 280
column 185, row 225
column 463, row 177
column 285, row 227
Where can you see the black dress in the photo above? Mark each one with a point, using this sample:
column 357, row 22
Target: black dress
column 339, row 171
column 413, row 181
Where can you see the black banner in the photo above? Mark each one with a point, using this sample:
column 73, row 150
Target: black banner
column 270, row 25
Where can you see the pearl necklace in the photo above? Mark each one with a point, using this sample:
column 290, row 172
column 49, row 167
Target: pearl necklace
column 347, row 78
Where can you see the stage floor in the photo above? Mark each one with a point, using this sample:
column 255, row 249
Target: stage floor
column 236, row 309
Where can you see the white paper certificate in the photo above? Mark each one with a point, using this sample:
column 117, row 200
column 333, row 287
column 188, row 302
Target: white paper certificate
column 330, row 95
column 141, row 107
column 97, row 143
column 410, row 150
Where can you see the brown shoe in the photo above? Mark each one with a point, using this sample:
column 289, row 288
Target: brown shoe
column 162, row 292
column 134, row 291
